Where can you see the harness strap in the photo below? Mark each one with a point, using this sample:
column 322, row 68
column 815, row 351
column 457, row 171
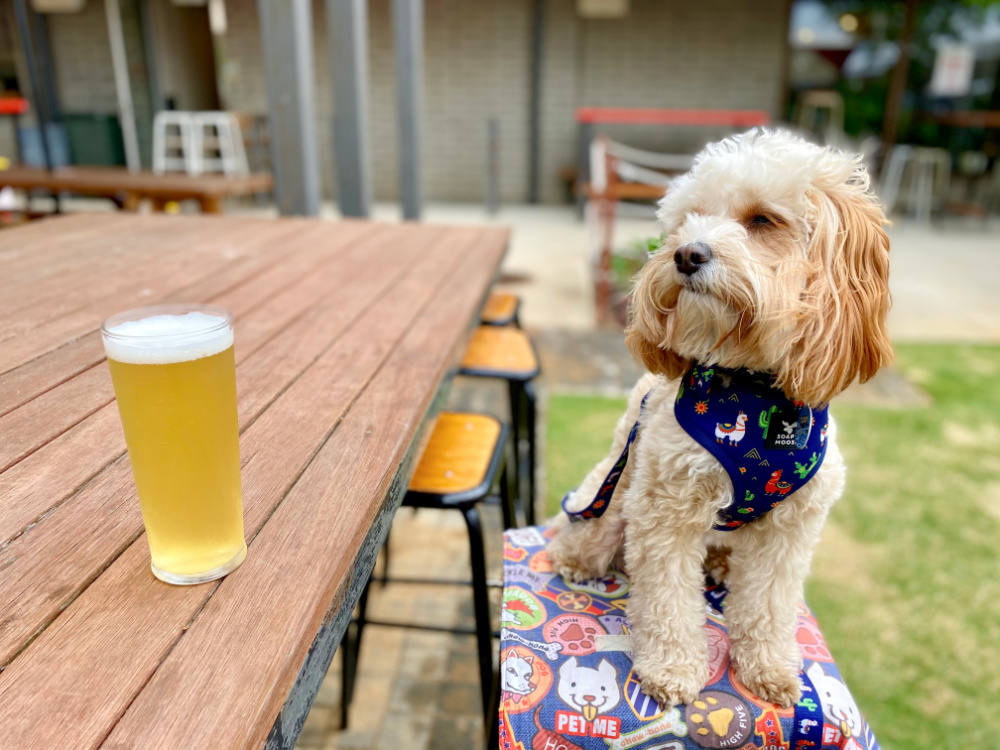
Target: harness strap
column 603, row 498
column 807, row 732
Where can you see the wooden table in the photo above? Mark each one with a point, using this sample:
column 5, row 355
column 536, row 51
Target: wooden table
column 129, row 188
column 346, row 334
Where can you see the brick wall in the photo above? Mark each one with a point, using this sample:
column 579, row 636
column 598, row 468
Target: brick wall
column 665, row 53
column 476, row 67
column 712, row 54
column 81, row 58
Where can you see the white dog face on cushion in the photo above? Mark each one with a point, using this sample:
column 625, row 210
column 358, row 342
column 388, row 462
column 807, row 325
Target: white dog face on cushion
column 838, row 705
column 590, row 691
column 774, row 259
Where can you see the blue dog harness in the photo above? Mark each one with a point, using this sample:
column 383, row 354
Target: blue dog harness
column 769, row 445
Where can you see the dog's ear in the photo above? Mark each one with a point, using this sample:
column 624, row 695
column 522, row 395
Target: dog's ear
column 843, row 331
column 648, row 331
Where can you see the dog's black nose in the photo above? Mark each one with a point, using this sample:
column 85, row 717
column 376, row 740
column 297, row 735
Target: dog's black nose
column 690, row 257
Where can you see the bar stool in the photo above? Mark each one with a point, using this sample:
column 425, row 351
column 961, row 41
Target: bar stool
column 507, row 353
column 463, row 461
column 501, row 309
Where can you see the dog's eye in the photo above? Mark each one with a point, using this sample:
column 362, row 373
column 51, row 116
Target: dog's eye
column 761, row 220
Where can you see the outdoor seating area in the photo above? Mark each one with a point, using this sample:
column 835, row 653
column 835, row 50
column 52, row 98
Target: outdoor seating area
column 549, row 375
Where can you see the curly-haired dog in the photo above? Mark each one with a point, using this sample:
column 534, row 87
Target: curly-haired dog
column 774, row 270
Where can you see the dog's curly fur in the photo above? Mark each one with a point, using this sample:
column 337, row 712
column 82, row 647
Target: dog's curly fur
column 797, row 286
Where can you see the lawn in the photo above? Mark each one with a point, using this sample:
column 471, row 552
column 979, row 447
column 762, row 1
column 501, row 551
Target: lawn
column 906, row 581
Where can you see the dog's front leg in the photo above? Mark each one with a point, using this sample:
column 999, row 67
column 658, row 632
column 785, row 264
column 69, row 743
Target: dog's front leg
column 664, row 552
column 767, row 568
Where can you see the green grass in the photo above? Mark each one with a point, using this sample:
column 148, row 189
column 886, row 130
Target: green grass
column 906, row 581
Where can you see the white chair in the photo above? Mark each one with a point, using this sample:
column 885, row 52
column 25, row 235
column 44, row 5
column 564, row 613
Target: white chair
column 219, row 144
column 174, row 147
column 918, row 177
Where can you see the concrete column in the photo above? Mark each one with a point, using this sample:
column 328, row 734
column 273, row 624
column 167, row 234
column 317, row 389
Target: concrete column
column 408, row 33
column 286, row 41
column 347, row 32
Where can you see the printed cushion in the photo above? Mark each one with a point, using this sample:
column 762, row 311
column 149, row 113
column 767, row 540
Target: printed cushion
column 567, row 683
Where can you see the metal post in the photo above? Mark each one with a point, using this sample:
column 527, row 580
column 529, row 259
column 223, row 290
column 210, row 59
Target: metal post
column 534, row 104
column 492, row 166
column 149, row 46
column 408, row 31
column 39, row 97
column 347, row 32
column 286, row 41
column 586, row 135
column 119, row 61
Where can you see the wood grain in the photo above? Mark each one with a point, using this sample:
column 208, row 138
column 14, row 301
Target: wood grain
column 51, row 562
column 212, row 676
column 113, row 181
column 109, row 640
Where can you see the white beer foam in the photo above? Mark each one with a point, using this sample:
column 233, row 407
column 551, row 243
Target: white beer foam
column 166, row 339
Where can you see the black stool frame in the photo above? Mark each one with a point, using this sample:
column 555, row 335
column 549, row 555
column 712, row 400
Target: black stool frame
column 465, row 502
column 523, row 420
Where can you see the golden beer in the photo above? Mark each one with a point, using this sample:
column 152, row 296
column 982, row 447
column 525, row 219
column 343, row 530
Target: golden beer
column 175, row 380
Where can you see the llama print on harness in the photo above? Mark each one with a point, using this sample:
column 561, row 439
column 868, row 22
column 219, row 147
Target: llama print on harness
column 733, row 432
column 774, row 484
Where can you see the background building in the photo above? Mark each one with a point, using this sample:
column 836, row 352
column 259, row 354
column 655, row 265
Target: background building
column 714, row 54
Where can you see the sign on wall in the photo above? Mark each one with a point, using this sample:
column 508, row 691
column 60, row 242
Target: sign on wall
column 953, row 68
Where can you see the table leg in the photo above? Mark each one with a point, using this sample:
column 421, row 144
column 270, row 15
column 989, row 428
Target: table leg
column 131, row 202
column 210, row 205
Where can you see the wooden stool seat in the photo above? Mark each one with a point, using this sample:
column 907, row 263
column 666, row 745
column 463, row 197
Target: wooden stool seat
column 500, row 352
column 500, row 309
column 458, row 455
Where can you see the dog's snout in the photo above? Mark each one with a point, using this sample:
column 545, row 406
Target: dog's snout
column 690, row 257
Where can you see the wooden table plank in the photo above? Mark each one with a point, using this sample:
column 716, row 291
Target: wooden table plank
column 242, row 634
column 56, row 559
column 111, row 646
column 30, row 248
column 111, row 181
column 263, row 273
column 28, row 497
column 31, row 331
column 106, row 262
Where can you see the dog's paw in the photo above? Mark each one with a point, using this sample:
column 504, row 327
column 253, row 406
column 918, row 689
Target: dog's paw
column 777, row 684
column 672, row 686
column 571, row 564
column 574, row 570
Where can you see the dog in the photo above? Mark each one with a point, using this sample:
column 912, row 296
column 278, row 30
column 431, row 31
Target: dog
column 774, row 265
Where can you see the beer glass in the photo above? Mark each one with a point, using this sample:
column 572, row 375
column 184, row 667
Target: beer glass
column 175, row 379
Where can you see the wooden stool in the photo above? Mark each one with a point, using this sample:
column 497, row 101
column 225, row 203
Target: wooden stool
column 463, row 460
column 509, row 354
column 501, row 309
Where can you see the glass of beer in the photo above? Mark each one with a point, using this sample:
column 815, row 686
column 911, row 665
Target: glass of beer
column 175, row 379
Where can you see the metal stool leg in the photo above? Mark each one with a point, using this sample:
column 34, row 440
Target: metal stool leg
column 530, row 415
column 507, row 499
column 493, row 718
column 481, row 604
column 351, row 647
column 385, row 552
column 515, row 438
